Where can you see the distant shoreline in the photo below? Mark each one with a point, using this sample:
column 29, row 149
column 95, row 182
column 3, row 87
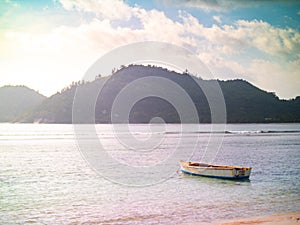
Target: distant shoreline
column 151, row 123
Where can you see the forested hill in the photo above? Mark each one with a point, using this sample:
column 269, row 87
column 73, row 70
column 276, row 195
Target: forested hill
column 15, row 100
column 245, row 103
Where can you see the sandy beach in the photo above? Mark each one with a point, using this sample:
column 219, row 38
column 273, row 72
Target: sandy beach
column 277, row 219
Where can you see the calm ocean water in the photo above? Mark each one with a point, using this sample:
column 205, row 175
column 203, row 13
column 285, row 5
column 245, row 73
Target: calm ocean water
column 44, row 178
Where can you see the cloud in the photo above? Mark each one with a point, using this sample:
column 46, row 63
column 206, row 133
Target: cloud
column 271, row 40
column 228, row 39
column 217, row 18
column 44, row 62
column 225, row 49
column 243, row 35
column 225, row 5
column 282, row 78
column 108, row 9
column 12, row 3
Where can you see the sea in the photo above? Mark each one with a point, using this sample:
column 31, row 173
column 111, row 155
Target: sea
column 130, row 174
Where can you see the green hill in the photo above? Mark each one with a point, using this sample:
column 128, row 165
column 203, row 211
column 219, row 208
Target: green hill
column 245, row 103
column 16, row 100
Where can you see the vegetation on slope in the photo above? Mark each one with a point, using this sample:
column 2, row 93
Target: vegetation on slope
column 245, row 103
column 15, row 100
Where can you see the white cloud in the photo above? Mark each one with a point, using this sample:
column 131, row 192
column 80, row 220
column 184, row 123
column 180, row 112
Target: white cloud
column 217, row 5
column 247, row 34
column 225, row 5
column 217, row 18
column 109, row 9
column 271, row 40
column 12, row 3
column 229, row 39
column 43, row 62
column 56, row 58
column 282, row 78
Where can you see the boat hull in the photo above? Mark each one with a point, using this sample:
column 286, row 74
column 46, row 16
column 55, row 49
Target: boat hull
column 215, row 171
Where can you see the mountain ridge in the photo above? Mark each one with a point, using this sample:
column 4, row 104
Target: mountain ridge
column 15, row 100
column 245, row 103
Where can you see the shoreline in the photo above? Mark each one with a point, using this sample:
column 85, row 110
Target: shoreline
column 292, row 218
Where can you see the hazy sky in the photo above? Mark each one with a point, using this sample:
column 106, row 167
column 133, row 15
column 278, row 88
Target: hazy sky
column 47, row 44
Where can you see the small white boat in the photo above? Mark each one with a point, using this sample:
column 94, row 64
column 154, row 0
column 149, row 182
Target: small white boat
column 215, row 171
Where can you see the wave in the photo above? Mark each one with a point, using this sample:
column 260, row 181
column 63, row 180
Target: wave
column 108, row 135
column 262, row 131
column 235, row 132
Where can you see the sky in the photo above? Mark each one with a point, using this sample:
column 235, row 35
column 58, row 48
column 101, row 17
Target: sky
column 47, row 44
